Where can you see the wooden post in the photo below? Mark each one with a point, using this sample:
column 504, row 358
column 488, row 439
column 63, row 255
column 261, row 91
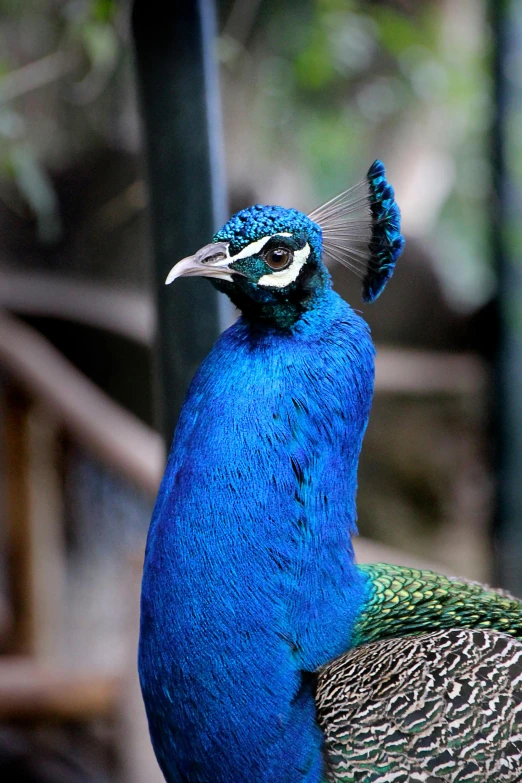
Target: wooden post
column 18, row 528
column 46, row 534
column 34, row 540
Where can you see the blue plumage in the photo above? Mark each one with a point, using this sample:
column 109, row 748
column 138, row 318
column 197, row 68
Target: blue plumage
column 249, row 582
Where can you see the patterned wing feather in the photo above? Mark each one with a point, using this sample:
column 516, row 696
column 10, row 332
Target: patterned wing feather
column 445, row 707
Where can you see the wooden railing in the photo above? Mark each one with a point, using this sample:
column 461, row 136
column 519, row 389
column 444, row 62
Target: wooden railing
column 112, row 434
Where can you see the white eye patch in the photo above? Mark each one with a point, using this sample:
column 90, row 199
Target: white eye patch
column 283, row 277
column 255, row 247
column 286, row 276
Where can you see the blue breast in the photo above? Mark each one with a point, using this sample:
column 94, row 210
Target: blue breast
column 249, row 583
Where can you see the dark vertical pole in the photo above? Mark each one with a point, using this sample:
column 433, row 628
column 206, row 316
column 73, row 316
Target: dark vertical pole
column 505, row 214
column 178, row 82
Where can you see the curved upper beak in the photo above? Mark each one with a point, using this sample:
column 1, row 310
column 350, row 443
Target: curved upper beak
column 211, row 261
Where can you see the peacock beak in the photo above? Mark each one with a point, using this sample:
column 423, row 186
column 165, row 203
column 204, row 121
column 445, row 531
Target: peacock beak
column 211, row 261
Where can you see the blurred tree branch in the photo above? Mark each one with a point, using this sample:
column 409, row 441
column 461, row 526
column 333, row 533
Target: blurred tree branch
column 37, row 74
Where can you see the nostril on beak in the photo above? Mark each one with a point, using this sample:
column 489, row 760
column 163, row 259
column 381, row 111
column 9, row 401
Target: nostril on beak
column 217, row 257
column 212, row 254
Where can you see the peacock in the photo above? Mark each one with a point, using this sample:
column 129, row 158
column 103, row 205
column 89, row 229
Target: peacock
column 266, row 654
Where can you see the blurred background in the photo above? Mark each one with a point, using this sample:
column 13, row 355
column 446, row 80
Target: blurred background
column 126, row 138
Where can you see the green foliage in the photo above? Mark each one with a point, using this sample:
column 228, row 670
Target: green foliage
column 398, row 32
column 100, row 43
column 314, row 66
column 36, row 188
column 104, row 11
column 65, row 52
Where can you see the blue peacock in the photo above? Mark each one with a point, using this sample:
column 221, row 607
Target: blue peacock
column 267, row 655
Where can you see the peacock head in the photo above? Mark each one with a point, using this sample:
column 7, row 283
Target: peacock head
column 270, row 260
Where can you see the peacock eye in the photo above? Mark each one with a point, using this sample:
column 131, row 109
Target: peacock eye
column 278, row 257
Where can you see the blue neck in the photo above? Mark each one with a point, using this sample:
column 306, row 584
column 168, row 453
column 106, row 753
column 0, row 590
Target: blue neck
column 249, row 581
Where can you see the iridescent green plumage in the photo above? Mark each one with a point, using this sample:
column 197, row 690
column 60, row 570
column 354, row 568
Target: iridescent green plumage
column 407, row 602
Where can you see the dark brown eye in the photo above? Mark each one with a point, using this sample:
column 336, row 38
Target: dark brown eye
column 279, row 257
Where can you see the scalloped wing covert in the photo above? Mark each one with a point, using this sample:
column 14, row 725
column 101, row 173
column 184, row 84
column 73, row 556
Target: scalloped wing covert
column 445, row 707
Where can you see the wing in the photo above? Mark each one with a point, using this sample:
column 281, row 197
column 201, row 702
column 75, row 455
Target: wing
column 445, row 707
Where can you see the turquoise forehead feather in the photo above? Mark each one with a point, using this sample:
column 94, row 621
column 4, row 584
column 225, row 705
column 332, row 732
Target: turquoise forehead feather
column 257, row 221
column 361, row 229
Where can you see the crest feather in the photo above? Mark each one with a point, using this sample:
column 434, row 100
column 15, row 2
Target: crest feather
column 361, row 229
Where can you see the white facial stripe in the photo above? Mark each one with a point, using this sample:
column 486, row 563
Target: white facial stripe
column 255, row 247
column 286, row 276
